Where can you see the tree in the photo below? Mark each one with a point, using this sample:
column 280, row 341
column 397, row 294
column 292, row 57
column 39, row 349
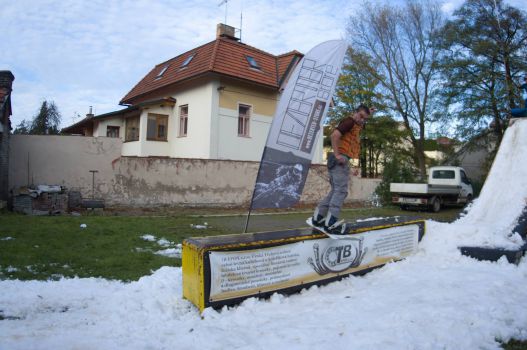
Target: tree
column 47, row 121
column 484, row 47
column 403, row 57
column 396, row 169
column 355, row 86
column 382, row 139
column 381, row 135
column 24, row 128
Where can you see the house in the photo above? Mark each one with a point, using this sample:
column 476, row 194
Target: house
column 6, row 82
column 216, row 101
column 476, row 155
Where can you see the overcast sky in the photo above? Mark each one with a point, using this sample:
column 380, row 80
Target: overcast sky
column 91, row 53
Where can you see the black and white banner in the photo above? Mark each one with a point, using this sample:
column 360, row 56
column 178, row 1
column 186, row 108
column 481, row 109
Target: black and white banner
column 296, row 127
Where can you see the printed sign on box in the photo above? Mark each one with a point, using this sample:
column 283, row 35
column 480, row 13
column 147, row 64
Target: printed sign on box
column 239, row 273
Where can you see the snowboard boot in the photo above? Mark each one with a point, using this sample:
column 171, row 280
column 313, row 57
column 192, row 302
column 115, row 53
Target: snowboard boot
column 317, row 219
column 334, row 226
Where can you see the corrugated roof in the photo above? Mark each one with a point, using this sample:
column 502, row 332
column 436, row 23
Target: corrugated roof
column 222, row 56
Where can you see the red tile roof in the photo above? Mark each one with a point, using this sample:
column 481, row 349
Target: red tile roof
column 222, row 56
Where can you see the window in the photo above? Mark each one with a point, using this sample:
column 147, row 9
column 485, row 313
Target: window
column 252, row 62
column 464, row 177
column 156, row 128
column 443, row 174
column 132, row 129
column 187, row 61
column 112, row 131
column 183, row 120
column 244, row 117
column 162, row 71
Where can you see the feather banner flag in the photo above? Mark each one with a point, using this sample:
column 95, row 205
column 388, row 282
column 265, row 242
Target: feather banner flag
column 296, row 127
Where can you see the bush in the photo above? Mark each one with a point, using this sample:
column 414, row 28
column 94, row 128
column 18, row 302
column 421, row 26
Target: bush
column 395, row 170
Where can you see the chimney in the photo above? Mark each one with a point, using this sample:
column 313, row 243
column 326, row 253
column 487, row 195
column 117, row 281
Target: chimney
column 90, row 114
column 6, row 80
column 226, row 31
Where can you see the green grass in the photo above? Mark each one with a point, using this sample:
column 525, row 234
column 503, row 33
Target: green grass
column 110, row 247
column 49, row 247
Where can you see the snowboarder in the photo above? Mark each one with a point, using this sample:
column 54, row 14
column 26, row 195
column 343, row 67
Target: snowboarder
column 345, row 145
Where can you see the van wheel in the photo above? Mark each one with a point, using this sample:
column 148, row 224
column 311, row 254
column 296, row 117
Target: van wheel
column 436, row 205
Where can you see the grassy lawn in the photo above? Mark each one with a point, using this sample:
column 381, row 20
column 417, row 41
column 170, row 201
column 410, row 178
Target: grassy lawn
column 114, row 247
column 111, row 247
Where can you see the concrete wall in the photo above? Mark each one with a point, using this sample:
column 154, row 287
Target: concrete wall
column 147, row 182
column 61, row 160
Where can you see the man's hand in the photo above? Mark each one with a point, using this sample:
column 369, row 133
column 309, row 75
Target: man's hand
column 340, row 159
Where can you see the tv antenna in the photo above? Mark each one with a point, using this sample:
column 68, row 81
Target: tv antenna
column 226, row 2
column 241, row 21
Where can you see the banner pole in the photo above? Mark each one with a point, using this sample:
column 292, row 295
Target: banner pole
column 254, row 190
column 247, row 220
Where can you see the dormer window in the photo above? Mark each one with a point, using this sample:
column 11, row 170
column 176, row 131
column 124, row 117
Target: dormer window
column 187, row 61
column 162, row 71
column 252, row 62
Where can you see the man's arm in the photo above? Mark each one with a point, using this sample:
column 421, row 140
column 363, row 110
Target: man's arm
column 336, row 135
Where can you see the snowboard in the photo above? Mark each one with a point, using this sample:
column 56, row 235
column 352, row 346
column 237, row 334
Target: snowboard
column 309, row 221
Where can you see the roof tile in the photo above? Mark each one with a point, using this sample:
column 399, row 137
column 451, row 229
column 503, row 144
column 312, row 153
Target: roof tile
column 223, row 56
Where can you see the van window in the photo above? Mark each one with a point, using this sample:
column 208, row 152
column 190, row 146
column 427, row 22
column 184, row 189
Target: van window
column 464, row 177
column 443, row 174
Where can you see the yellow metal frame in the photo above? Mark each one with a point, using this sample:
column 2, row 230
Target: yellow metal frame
column 193, row 255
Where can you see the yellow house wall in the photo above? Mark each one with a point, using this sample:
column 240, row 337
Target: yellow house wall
column 263, row 101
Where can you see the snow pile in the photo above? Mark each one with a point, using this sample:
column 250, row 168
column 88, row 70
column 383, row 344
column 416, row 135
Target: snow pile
column 200, row 227
column 172, row 250
column 148, row 237
column 493, row 215
column 437, row 299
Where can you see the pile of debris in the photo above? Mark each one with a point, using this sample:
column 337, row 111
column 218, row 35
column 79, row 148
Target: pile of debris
column 46, row 200
column 40, row 200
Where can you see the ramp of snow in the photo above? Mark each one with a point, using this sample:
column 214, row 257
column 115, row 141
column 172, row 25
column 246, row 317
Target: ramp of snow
column 493, row 215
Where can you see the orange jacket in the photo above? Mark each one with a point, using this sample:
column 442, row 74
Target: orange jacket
column 350, row 140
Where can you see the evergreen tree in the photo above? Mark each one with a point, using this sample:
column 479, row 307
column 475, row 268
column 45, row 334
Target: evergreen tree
column 484, row 48
column 47, row 121
column 24, row 128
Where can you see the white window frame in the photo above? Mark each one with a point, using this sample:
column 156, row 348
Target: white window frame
column 244, row 121
column 183, row 121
